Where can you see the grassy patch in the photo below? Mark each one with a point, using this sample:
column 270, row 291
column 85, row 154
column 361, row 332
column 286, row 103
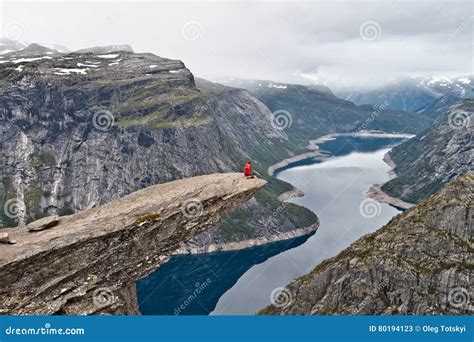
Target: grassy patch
column 146, row 217
column 46, row 158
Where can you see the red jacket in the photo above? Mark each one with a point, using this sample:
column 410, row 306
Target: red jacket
column 247, row 170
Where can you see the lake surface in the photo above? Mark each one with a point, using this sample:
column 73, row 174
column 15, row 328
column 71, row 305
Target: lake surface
column 241, row 282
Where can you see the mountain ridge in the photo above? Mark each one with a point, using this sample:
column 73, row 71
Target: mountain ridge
column 384, row 274
column 435, row 156
column 82, row 129
column 412, row 94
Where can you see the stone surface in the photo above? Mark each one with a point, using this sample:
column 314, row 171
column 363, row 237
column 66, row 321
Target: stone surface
column 42, row 224
column 424, row 164
column 79, row 130
column 412, row 94
column 4, row 238
column 375, row 192
column 420, row 263
column 89, row 262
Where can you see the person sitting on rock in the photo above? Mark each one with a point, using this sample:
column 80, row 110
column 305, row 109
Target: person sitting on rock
column 248, row 170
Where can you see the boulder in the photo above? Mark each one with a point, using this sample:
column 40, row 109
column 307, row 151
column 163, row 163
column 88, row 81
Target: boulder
column 5, row 238
column 42, row 224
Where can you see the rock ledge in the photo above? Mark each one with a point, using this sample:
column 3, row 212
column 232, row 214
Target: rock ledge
column 89, row 262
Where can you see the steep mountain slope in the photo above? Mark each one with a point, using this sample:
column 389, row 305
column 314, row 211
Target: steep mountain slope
column 439, row 106
column 82, row 129
column 420, row 263
column 313, row 111
column 412, row 94
column 434, row 157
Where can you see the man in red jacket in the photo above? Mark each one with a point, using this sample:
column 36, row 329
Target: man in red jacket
column 248, row 170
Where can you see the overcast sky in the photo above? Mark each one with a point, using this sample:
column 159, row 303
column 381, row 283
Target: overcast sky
column 338, row 42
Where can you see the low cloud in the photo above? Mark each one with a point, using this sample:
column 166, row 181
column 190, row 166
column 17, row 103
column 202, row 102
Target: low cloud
column 338, row 43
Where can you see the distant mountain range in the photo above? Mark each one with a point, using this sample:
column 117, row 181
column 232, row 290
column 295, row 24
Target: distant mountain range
column 315, row 111
column 81, row 129
column 412, row 94
column 9, row 46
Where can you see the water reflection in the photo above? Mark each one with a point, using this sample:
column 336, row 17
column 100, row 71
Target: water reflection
column 240, row 282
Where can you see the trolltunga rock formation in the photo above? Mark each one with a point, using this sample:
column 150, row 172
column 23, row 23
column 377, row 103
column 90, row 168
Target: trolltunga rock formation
column 89, row 262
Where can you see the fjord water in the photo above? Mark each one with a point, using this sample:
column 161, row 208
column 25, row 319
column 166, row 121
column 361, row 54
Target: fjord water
column 241, row 282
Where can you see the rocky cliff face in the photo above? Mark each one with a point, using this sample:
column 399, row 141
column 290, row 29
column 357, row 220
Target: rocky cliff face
column 79, row 130
column 89, row 262
column 420, row 263
column 434, row 157
column 439, row 106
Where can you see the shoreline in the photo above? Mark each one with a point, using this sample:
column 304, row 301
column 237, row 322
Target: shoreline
column 289, row 195
column 376, row 193
column 238, row 245
column 285, row 162
column 313, row 146
column 232, row 246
